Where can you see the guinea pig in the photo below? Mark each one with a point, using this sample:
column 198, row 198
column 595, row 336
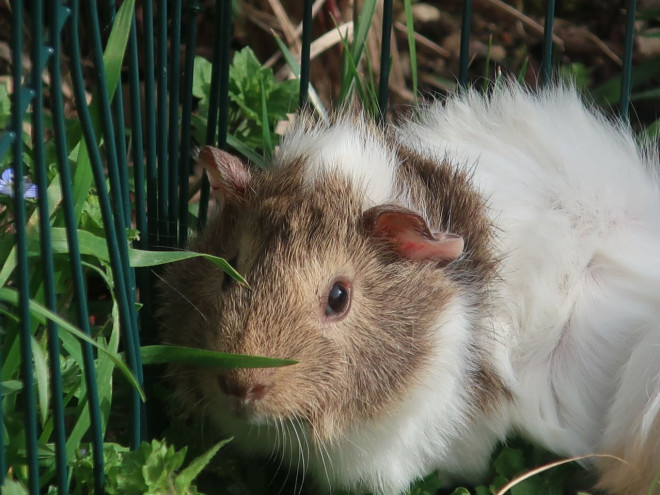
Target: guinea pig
column 490, row 265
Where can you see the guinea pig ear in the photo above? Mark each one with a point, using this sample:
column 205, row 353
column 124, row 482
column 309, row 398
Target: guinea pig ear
column 228, row 175
column 410, row 235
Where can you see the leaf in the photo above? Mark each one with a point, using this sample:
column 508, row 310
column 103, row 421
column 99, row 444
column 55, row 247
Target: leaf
column 265, row 127
column 529, row 474
column 161, row 354
column 246, row 151
column 185, row 478
column 510, row 462
column 251, row 85
column 113, row 59
column 8, row 387
column 428, row 486
column 295, row 70
column 609, row 92
column 646, row 95
column 160, row 464
column 41, row 376
column 113, row 56
column 54, row 194
column 410, row 28
column 11, row 296
column 523, row 71
column 140, row 258
column 11, row 487
column 104, row 365
column 202, row 70
column 364, row 22
column 96, row 246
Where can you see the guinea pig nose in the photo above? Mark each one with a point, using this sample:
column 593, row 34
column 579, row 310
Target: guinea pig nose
column 256, row 392
column 242, row 391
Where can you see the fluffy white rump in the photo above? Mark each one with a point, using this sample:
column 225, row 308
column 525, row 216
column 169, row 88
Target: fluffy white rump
column 576, row 204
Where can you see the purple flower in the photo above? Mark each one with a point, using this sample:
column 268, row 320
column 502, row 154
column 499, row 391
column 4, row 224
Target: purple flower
column 7, row 185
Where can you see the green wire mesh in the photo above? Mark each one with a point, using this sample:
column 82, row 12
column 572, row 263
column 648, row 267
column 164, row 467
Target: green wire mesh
column 160, row 151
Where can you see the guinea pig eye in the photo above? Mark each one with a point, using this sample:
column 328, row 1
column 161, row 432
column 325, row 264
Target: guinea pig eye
column 339, row 300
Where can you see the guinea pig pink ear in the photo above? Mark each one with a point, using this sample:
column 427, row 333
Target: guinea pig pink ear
column 410, row 236
column 228, row 175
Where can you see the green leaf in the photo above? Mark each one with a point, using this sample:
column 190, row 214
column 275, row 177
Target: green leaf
column 428, row 486
column 11, row 487
column 510, row 462
column 11, row 296
column 410, row 29
column 185, row 478
column 363, row 23
column 160, row 354
column 41, row 377
column 113, row 56
column 577, row 74
column 104, row 365
column 54, row 194
column 649, row 94
column 265, row 127
column 295, row 70
column 250, row 85
column 202, row 70
column 246, row 151
column 8, row 387
column 113, row 59
column 140, row 258
column 96, row 246
column 652, row 133
column 609, row 92
column 160, row 464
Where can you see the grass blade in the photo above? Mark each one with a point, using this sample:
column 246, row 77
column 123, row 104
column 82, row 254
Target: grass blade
column 265, row 128
column 161, row 354
column 412, row 50
column 96, row 246
column 41, row 376
column 295, row 70
column 186, row 476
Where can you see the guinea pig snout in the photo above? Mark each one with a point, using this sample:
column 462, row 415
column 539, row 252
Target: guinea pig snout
column 243, row 389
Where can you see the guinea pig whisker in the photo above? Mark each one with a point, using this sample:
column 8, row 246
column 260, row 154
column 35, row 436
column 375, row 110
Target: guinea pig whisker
column 303, row 432
column 182, row 295
column 280, row 426
column 184, row 396
column 285, row 427
column 301, row 456
column 322, row 450
column 308, row 453
column 273, row 425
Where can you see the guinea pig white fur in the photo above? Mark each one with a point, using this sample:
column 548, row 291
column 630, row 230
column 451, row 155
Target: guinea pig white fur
column 489, row 266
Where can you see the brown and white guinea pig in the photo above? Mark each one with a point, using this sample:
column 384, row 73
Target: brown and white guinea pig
column 490, row 266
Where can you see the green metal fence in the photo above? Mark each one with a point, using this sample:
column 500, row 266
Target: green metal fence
column 63, row 37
